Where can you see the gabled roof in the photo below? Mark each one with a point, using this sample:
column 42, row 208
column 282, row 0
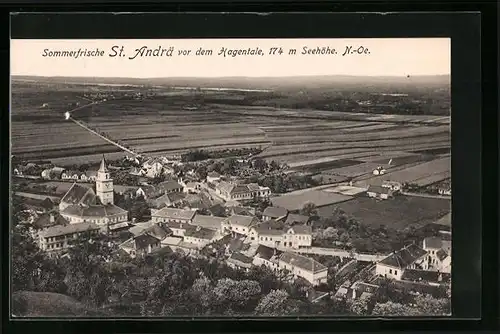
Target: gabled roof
column 441, row 254
column 68, row 229
column 200, row 233
column 404, row 257
column 301, row 229
column 43, row 221
column 172, row 213
column 275, row 212
column 210, row 222
column 213, row 174
column 296, row 218
column 302, row 262
column 238, row 257
column 170, row 198
column 378, row 190
column 245, row 221
column 417, row 275
column 79, row 194
column 169, row 185
column 144, row 240
column 265, row 252
column 433, row 243
column 270, row 226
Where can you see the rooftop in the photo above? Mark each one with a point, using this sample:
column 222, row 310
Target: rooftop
column 427, row 276
column 295, row 218
column 210, row 222
column 302, row 262
column 93, row 210
column 175, row 213
column 436, row 243
column 275, row 212
column 169, row 185
column 79, row 194
column 58, row 230
column 200, row 233
column 265, row 252
column 241, row 258
column 240, row 220
column 302, row 229
column 404, row 257
column 43, row 220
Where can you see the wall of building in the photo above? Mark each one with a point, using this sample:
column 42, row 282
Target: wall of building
column 388, row 272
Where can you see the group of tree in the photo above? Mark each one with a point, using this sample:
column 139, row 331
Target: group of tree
column 339, row 228
column 199, row 155
column 137, row 206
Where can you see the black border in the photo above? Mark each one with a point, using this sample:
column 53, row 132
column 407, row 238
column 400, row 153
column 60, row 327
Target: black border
column 466, row 81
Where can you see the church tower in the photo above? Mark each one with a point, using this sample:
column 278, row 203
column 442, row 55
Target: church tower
column 104, row 184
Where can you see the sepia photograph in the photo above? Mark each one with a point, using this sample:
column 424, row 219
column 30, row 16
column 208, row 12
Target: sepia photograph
column 230, row 178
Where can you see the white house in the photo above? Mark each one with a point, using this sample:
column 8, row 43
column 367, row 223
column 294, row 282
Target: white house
column 438, row 254
column 394, row 265
column 392, row 185
column 267, row 256
column 141, row 245
column 276, row 234
column 444, row 191
column 238, row 224
column 171, row 215
column 200, row 236
column 298, row 236
column 379, row 192
column 239, row 192
column 60, row 237
column 305, row 267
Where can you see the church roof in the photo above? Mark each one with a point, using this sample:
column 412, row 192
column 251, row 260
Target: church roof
column 79, row 194
column 103, row 167
column 93, row 210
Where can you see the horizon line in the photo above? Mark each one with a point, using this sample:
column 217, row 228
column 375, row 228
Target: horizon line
column 229, row 76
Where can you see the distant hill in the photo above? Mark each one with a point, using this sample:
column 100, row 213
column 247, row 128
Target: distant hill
column 48, row 304
column 299, row 82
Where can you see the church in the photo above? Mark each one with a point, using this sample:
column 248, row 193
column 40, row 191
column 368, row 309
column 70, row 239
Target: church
column 81, row 204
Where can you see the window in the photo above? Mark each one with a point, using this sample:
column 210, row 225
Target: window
column 395, row 272
column 390, row 271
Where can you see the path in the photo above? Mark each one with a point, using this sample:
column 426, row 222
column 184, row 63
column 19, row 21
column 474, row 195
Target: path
column 424, row 195
column 86, row 127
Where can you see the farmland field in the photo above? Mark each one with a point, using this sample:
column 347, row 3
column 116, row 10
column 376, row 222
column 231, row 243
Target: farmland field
column 310, row 140
column 399, row 212
column 296, row 201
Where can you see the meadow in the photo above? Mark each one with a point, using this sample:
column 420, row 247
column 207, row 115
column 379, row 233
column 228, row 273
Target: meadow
column 305, row 139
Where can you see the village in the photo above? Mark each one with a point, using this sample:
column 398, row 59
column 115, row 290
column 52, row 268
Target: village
column 216, row 209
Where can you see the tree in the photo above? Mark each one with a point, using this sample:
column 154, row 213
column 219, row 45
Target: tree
column 362, row 306
column 427, row 305
column 309, row 209
column 277, row 303
column 260, row 164
column 236, row 296
column 391, row 309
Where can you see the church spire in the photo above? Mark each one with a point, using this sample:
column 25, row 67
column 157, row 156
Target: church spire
column 103, row 167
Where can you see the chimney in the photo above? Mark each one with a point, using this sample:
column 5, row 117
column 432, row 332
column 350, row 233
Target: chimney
column 52, row 218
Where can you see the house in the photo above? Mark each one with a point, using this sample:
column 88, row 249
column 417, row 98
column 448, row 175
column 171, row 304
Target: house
column 140, row 245
column 38, row 205
column 102, row 215
column 169, row 186
column 444, row 191
column 379, row 192
column 47, row 220
column 316, row 296
column 392, row 185
column 153, row 167
column 426, row 277
column 136, row 171
column 119, row 229
column 171, row 215
column 167, row 200
column 238, row 224
column 191, row 187
column 218, row 210
column 298, row 236
column 210, row 222
column 232, row 191
column 438, row 254
column 394, row 265
column 89, row 175
column 199, row 236
column 159, row 232
column 295, row 219
column 213, row 177
column 176, row 244
column 362, row 289
column 70, row 175
column 274, row 213
column 240, row 261
column 305, row 267
column 241, row 210
column 147, row 192
column 46, row 174
column 267, row 256
column 61, row 237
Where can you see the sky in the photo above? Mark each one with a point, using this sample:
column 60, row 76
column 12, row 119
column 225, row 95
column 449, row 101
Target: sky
column 387, row 57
